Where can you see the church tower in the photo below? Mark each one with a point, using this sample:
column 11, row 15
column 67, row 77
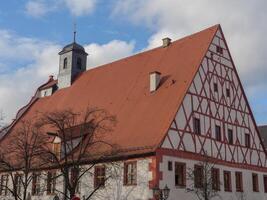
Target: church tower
column 72, row 61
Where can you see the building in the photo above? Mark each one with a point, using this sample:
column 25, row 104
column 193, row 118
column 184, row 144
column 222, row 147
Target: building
column 263, row 133
column 174, row 105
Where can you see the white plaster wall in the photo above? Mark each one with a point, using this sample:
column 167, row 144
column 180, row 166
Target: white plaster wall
column 168, row 179
column 114, row 188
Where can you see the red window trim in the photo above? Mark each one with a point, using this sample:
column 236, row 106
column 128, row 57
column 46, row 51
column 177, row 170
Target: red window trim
column 36, row 184
column 51, row 182
column 183, row 174
column 125, row 177
column 255, row 185
column 265, row 183
column 100, row 172
column 237, row 176
column 227, row 185
column 198, row 181
column 215, row 173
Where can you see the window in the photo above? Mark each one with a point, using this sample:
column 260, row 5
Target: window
column 18, row 183
column 99, row 176
column 51, row 182
column 239, row 181
column 265, row 183
column 130, row 173
column 170, row 165
column 79, row 63
column 198, row 176
column 180, row 174
column 215, row 87
column 247, row 140
column 230, row 136
column 218, row 135
column 65, row 64
column 4, row 184
column 36, row 184
column 227, row 181
column 219, row 49
column 74, row 175
column 197, row 129
column 215, row 177
column 228, row 92
column 255, row 182
column 56, row 149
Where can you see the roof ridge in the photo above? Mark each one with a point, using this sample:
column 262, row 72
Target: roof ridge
column 93, row 68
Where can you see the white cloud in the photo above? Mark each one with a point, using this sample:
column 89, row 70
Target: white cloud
column 101, row 54
column 18, row 84
column 243, row 22
column 80, row 7
column 39, row 8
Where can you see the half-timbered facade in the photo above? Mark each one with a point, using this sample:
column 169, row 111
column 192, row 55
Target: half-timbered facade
column 176, row 105
column 215, row 119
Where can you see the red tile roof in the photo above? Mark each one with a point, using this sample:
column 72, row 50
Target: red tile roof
column 122, row 88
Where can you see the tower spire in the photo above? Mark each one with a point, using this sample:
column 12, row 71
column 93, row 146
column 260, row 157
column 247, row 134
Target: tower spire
column 74, row 32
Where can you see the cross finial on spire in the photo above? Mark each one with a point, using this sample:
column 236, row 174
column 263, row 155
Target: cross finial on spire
column 74, row 32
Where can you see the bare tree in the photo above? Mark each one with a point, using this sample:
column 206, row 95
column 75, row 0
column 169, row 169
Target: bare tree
column 18, row 161
column 205, row 181
column 80, row 135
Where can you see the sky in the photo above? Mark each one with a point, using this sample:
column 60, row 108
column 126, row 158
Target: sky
column 32, row 32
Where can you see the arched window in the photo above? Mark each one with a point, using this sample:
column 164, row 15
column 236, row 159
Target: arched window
column 65, row 63
column 79, row 63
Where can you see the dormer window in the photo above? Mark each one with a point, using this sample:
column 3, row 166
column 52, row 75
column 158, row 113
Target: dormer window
column 79, row 63
column 65, row 64
column 56, row 149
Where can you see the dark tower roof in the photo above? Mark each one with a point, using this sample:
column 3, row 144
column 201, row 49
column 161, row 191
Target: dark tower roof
column 73, row 47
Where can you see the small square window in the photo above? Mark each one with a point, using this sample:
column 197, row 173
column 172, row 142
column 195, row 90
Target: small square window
column 219, row 49
column 218, row 133
column 170, row 165
column 228, row 92
column 230, row 136
column 215, row 87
